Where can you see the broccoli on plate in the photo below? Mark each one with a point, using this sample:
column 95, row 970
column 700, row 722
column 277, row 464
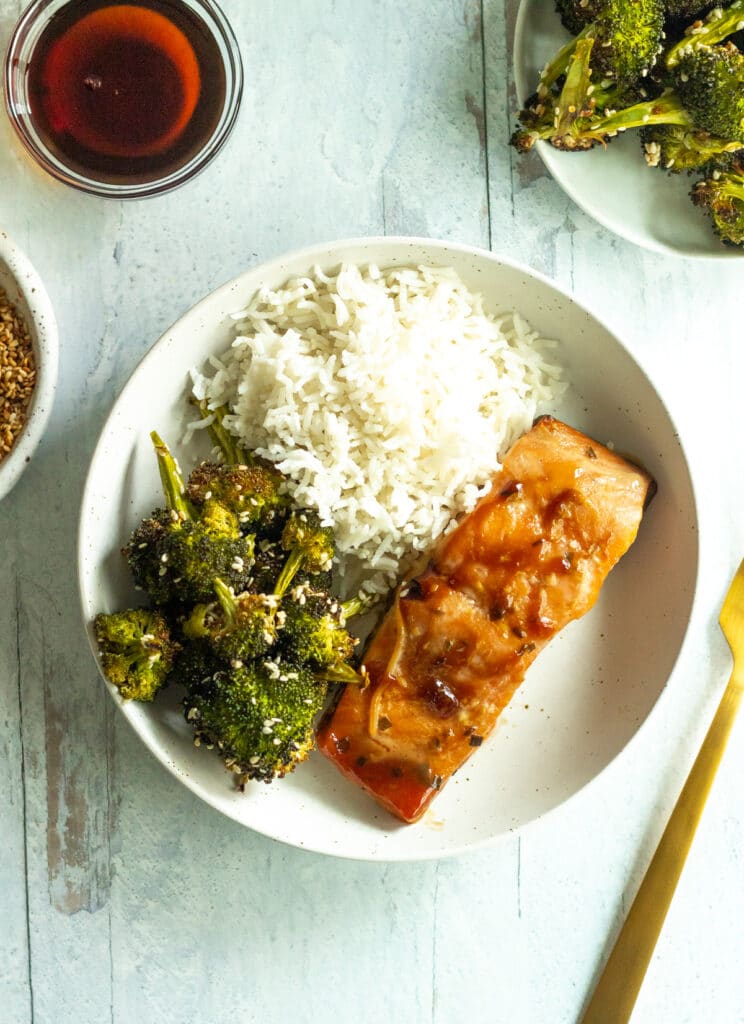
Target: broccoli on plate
column 137, row 651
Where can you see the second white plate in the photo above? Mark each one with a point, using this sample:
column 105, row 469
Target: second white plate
column 614, row 186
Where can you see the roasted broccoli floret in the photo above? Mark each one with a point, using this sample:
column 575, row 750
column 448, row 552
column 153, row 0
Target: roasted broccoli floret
column 176, row 561
column 196, row 665
column 720, row 23
column 310, row 545
column 577, row 14
column 686, row 10
column 250, row 488
column 722, row 195
column 313, row 632
column 251, row 492
column 677, row 149
column 708, row 96
column 137, row 651
column 627, row 42
column 239, row 627
column 260, row 717
column 177, row 553
column 269, row 562
column 624, row 41
column 244, row 693
column 253, row 698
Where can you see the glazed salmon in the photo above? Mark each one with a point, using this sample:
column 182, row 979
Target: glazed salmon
column 457, row 641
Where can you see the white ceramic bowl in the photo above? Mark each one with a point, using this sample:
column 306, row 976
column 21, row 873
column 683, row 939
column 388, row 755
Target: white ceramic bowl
column 25, row 290
column 614, row 186
column 584, row 698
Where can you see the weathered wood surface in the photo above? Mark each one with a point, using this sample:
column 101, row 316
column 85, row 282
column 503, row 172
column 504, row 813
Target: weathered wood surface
column 122, row 897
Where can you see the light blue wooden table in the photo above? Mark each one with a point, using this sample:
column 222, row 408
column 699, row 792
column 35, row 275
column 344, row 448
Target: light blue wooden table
column 122, row 897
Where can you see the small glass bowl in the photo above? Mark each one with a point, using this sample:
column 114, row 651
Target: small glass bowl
column 20, row 53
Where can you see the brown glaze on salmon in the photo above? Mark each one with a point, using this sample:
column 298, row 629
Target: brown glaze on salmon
column 448, row 656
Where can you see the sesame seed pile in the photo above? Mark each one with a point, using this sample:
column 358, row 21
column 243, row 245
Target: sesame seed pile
column 17, row 374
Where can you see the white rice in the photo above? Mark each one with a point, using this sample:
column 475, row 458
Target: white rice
column 385, row 396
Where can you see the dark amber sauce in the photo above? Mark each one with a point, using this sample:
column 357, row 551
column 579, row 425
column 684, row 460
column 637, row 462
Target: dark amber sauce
column 126, row 92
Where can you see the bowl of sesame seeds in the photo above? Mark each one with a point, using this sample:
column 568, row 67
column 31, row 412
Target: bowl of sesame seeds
column 28, row 361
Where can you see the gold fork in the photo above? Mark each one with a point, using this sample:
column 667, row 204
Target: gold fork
column 618, row 987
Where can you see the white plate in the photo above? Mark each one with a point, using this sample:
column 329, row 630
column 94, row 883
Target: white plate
column 587, row 694
column 614, row 186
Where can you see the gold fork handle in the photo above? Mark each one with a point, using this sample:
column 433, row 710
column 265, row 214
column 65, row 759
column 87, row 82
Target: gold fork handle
column 615, row 995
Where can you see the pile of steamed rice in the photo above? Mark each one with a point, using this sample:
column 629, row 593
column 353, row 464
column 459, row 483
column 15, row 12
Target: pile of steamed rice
column 386, row 397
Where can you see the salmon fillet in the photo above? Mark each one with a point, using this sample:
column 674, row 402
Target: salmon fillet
column 457, row 641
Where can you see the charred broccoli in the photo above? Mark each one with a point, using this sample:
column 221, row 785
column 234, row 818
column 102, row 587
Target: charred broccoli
column 688, row 105
column 686, row 10
column 591, row 74
column 313, row 632
column 239, row 628
column 255, row 660
column 708, row 96
column 195, row 665
column 251, row 492
column 627, row 41
column 310, row 545
column 577, row 14
column 177, row 553
column 269, row 562
column 251, row 489
column 260, row 716
column 137, row 651
column 677, row 148
column 722, row 195
column 720, row 23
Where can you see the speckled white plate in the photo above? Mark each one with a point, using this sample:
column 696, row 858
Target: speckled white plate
column 25, row 289
column 585, row 697
column 614, row 186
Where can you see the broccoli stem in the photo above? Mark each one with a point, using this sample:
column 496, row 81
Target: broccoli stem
column 352, row 607
column 194, row 627
column 558, row 65
column 667, row 109
column 227, row 600
column 139, row 653
column 733, row 187
column 575, row 116
column 170, row 476
column 340, row 672
column 232, row 451
column 573, row 102
column 289, row 571
column 575, row 92
column 714, row 30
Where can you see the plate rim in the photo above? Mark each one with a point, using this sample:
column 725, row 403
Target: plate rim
column 268, row 268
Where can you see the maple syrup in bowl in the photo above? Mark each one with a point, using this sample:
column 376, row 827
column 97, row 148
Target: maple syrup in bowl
column 123, row 98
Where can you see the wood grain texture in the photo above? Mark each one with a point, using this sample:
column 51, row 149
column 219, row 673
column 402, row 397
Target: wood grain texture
column 123, row 897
